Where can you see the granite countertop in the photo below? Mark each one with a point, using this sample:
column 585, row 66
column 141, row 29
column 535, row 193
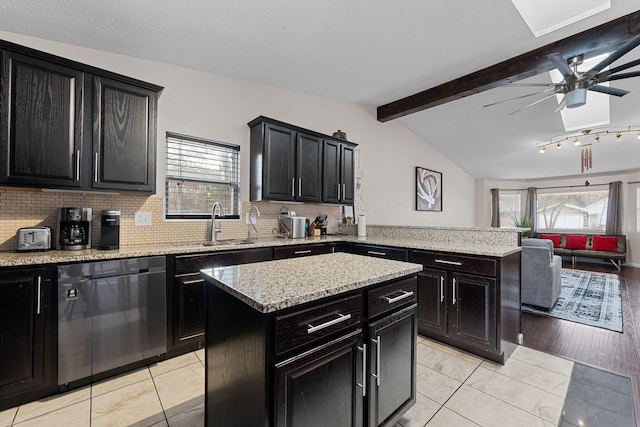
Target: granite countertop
column 10, row 259
column 273, row 285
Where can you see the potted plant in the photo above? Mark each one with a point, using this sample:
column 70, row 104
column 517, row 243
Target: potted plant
column 523, row 222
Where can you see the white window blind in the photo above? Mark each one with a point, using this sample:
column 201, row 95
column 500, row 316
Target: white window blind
column 198, row 173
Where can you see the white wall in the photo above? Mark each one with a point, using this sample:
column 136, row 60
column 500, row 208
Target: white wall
column 629, row 201
column 217, row 107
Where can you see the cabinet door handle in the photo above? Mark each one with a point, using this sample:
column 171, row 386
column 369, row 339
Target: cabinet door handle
column 293, row 187
column 341, row 318
column 338, row 191
column 95, row 169
column 377, row 253
column 455, row 283
column 308, row 251
column 299, row 187
column 363, row 349
column 38, row 296
column 78, row 165
column 377, row 374
column 344, row 191
column 192, row 282
column 444, row 261
column 405, row 294
column 441, row 288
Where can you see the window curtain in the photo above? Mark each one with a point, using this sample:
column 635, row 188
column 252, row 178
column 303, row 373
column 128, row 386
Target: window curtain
column 531, row 207
column 495, row 207
column 614, row 222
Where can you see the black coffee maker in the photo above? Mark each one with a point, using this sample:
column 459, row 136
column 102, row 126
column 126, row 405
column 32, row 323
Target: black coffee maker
column 74, row 229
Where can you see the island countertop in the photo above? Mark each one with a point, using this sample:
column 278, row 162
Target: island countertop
column 274, row 285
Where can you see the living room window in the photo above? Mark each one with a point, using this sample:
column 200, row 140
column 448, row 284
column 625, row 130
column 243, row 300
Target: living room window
column 510, row 207
column 567, row 210
column 199, row 172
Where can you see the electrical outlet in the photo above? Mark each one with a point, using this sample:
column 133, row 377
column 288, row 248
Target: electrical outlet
column 143, row 218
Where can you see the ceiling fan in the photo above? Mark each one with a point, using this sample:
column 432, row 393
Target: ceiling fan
column 575, row 84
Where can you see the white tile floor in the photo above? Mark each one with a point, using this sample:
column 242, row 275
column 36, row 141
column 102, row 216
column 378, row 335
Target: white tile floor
column 454, row 389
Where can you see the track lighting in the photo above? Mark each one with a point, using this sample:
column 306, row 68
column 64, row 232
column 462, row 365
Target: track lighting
column 586, row 154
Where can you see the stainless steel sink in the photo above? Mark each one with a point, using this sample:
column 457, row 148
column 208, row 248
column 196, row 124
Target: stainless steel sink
column 231, row 242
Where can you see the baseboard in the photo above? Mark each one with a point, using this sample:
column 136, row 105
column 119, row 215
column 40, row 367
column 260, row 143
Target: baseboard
column 628, row 264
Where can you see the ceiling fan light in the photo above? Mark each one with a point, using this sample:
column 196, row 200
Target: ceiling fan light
column 576, row 98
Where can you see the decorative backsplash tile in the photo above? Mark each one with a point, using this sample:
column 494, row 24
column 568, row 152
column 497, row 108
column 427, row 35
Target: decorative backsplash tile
column 28, row 208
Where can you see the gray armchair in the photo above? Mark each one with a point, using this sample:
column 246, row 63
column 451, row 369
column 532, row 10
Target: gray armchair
column 540, row 273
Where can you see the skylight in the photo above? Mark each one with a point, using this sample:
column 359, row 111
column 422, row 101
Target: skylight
column 545, row 16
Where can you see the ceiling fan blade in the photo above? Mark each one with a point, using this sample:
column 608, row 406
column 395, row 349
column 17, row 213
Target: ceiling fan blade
column 561, row 64
column 626, row 48
column 625, row 75
column 609, row 90
column 520, row 97
column 532, row 104
column 604, row 76
column 562, row 104
column 527, row 84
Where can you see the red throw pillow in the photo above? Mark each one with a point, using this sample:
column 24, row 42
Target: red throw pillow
column 604, row 243
column 576, row 241
column 555, row 238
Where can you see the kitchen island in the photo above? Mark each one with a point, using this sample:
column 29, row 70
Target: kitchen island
column 314, row 341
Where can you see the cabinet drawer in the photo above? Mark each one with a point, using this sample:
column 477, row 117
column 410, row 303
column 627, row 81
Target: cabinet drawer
column 306, row 326
column 300, row 250
column 380, row 252
column 194, row 263
column 468, row 264
column 392, row 296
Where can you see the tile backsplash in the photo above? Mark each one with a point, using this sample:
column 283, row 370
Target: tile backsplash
column 28, row 208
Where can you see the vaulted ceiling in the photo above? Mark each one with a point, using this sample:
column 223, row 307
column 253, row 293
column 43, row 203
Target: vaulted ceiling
column 371, row 52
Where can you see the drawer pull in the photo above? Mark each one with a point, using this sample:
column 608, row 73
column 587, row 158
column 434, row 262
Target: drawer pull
column 444, row 261
column 377, row 253
column 363, row 349
column 340, row 318
column 308, row 251
column 405, row 294
column 192, row 282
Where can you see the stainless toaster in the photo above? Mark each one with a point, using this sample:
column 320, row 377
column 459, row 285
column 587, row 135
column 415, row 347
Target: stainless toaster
column 34, row 239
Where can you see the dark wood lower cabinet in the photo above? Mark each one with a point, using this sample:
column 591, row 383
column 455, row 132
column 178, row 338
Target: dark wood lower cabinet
column 322, row 387
column 27, row 357
column 392, row 379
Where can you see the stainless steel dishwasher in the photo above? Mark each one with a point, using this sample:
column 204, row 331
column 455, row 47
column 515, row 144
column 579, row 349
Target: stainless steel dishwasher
column 110, row 314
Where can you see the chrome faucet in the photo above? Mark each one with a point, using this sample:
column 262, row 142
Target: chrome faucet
column 214, row 229
column 252, row 223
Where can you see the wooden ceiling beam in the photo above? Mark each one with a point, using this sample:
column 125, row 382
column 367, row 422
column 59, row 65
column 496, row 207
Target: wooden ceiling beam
column 589, row 43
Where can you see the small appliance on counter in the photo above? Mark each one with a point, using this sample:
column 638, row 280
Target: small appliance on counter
column 293, row 226
column 34, row 239
column 110, row 230
column 74, row 230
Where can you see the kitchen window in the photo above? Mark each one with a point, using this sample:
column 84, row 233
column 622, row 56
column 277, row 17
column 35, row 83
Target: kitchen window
column 566, row 210
column 198, row 173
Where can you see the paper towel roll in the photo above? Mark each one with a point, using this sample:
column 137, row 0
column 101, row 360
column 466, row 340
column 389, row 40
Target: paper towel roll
column 362, row 226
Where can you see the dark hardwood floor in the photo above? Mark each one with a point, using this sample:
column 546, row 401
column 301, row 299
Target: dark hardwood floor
column 612, row 351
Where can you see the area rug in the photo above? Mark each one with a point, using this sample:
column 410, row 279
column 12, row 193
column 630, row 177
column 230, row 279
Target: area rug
column 589, row 298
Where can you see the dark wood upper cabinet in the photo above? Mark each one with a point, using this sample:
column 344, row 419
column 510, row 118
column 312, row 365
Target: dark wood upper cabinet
column 64, row 124
column 42, row 122
column 338, row 172
column 124, row 136
column 289, row 163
